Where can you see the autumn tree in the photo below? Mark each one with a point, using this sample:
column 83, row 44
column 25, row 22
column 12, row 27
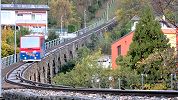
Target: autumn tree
column 129, row 8
column 7, row 49
column 126, row 11
column 7, row 41
column 167, row 8
column 8, row 35
column 65, row 10
column 25, row 1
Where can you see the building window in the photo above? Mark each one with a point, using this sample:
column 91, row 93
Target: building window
column 38, row 17
column 6, row 16
column 19, row 14
column 125, row 42
column 33, row 16
column 119, row 50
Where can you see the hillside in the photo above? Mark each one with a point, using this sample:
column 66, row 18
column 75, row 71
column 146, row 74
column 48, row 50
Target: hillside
column 71, row 10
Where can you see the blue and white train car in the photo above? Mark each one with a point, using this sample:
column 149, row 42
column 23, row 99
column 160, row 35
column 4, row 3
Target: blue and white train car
column 32, row 47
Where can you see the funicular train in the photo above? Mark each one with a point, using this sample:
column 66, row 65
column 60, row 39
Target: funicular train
column 32, row 47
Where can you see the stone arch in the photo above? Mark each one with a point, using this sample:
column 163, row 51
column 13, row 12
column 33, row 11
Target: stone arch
column 76, row 47
column 65, row 58
column 56, row 63
column 43, row 70
column 53, row 67
column 82, row 44
column 30, row 77
column 44, row 74
column 34, row 75
column 71, row 54
column 48, row 74
column 39, row 77
column 59, row 61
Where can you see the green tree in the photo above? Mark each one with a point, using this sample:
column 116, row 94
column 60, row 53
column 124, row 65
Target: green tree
column 81, row 75
column 121, row 30
column 52, row 35
column 51, row 21
column 93, row 45
column 22, row 32
column 159, row 66
column 147, row 37
column 82, row 52
column 129, row 77
column 105, row 43
column 71, row 28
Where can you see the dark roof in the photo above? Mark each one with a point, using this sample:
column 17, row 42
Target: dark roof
column 135, row 18
column 24, row 7
column 169, row 25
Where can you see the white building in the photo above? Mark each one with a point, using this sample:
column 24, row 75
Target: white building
column 33, row 17
column 105, row 61
column 67, row 35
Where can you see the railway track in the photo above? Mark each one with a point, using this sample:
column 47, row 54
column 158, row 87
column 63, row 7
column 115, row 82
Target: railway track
column 16, row 76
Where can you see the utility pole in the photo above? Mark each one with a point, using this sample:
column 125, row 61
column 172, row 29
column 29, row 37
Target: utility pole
column 0, row 56
column 107, row 11
column 142, row 80
column 47, row 2
column 61, row 23
column 171, row 81
column 85, row 19
column 119, row 83
column 15, row 45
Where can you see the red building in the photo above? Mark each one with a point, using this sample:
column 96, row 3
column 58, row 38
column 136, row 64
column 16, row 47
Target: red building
column 121, row 46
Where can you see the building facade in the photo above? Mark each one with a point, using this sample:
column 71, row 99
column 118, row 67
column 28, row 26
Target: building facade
column 121, row 46
column 33, row 17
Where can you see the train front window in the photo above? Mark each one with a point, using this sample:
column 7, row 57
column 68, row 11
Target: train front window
column 30, row 42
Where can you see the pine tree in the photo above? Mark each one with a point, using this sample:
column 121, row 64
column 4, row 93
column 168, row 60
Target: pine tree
column 147, row 38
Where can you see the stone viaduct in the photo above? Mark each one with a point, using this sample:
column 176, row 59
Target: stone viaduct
column 44, row 70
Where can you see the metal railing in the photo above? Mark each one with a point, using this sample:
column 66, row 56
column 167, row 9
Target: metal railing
column 9, row 60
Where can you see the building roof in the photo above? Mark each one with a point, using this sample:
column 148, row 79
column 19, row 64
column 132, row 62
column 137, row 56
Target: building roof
column 135, row 18
column 24, row 7
column 164, row 30
column 123, row 36
column 169, row 30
